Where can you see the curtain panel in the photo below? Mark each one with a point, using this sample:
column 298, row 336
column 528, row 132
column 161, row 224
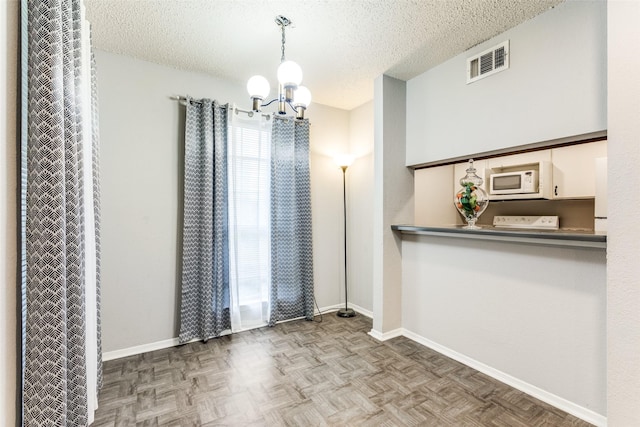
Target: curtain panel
column 291, row 237
column 60, row 288
column 205, row 298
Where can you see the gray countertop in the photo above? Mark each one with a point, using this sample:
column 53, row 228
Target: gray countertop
column 562, row 237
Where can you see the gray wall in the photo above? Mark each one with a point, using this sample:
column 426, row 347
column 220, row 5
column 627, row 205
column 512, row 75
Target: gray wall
column 392, row 202
column 555, row 87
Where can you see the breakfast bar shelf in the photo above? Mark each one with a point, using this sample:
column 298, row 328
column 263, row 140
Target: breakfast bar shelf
column 566, row 238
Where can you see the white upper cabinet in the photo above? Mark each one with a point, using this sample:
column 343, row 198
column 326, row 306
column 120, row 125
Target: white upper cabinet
column 574, row 170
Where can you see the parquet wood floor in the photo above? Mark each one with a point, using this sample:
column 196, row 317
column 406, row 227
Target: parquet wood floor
column 310, row 374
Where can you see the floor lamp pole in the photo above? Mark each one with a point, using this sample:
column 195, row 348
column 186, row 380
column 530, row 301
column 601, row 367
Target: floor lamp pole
column 346, row 311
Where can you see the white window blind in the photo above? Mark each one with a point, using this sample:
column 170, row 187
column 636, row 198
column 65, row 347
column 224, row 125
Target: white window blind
column 249, row 170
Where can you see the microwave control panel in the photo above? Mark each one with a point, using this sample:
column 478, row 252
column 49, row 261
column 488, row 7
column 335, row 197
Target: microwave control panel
column 549, row 222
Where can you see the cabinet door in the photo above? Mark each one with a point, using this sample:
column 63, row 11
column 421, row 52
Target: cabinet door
column 433, row 201
column 574, row 173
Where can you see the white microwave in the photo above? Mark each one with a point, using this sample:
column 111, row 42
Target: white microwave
column 518, row 182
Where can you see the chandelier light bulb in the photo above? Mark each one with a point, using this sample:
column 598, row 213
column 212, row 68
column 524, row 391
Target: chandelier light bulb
column 289, row 74
column 258, row 87
column 302, row 97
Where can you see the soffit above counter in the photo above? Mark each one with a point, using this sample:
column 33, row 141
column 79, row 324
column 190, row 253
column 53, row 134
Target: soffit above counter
column 536, row 146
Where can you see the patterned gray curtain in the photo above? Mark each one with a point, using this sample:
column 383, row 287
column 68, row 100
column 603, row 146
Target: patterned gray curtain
column 291, row 239
column 55, row 383
column 204, row 311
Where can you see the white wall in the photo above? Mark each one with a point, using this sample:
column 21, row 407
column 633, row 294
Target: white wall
column 141, row 132
column 8, row 89
column 360, row 207
column 535, row 313
column 555, row 87
column 623, row 281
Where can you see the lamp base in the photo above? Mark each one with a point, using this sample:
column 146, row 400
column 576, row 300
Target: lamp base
column 346, row 312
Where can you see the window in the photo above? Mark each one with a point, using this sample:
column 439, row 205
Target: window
column 249, row 220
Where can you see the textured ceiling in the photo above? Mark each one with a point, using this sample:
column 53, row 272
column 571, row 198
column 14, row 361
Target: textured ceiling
column 341, row 45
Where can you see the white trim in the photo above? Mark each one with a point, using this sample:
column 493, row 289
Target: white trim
column 355, row 307
column 138, row 349
column 158, row 345
column 380, row 336
column 360, row 310
column 550, row 398
column 328, row 309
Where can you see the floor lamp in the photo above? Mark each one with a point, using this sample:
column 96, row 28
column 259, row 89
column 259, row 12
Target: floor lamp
column 344, row 162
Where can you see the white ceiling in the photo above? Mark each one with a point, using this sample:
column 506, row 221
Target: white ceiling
column 341, row 45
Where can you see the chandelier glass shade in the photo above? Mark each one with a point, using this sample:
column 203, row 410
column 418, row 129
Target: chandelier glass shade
column 289, row 76
column 302, row 97
column 258, row 87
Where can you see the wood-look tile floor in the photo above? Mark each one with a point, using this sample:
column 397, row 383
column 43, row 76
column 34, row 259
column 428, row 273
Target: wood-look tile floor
column 310, row 374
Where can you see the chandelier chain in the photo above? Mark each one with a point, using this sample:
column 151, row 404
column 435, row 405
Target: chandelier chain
column 283, row 42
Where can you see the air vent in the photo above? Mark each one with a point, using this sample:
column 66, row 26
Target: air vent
column 489, row 62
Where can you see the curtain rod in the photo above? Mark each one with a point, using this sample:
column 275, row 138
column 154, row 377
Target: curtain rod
column 183, row 100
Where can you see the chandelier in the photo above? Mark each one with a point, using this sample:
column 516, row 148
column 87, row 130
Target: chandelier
column 289, row 78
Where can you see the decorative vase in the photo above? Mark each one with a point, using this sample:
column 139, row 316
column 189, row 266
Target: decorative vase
column 471, row 200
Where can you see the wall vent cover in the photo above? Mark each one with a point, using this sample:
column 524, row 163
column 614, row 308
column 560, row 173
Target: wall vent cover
column 489, row 62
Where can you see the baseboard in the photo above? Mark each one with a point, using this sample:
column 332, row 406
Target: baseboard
column 328, row 309
column 158, row 345
column 172, row 342
column 383, row 336
column 336, row 307
column 550, row 398
column 138, row 349
column 363, row 311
